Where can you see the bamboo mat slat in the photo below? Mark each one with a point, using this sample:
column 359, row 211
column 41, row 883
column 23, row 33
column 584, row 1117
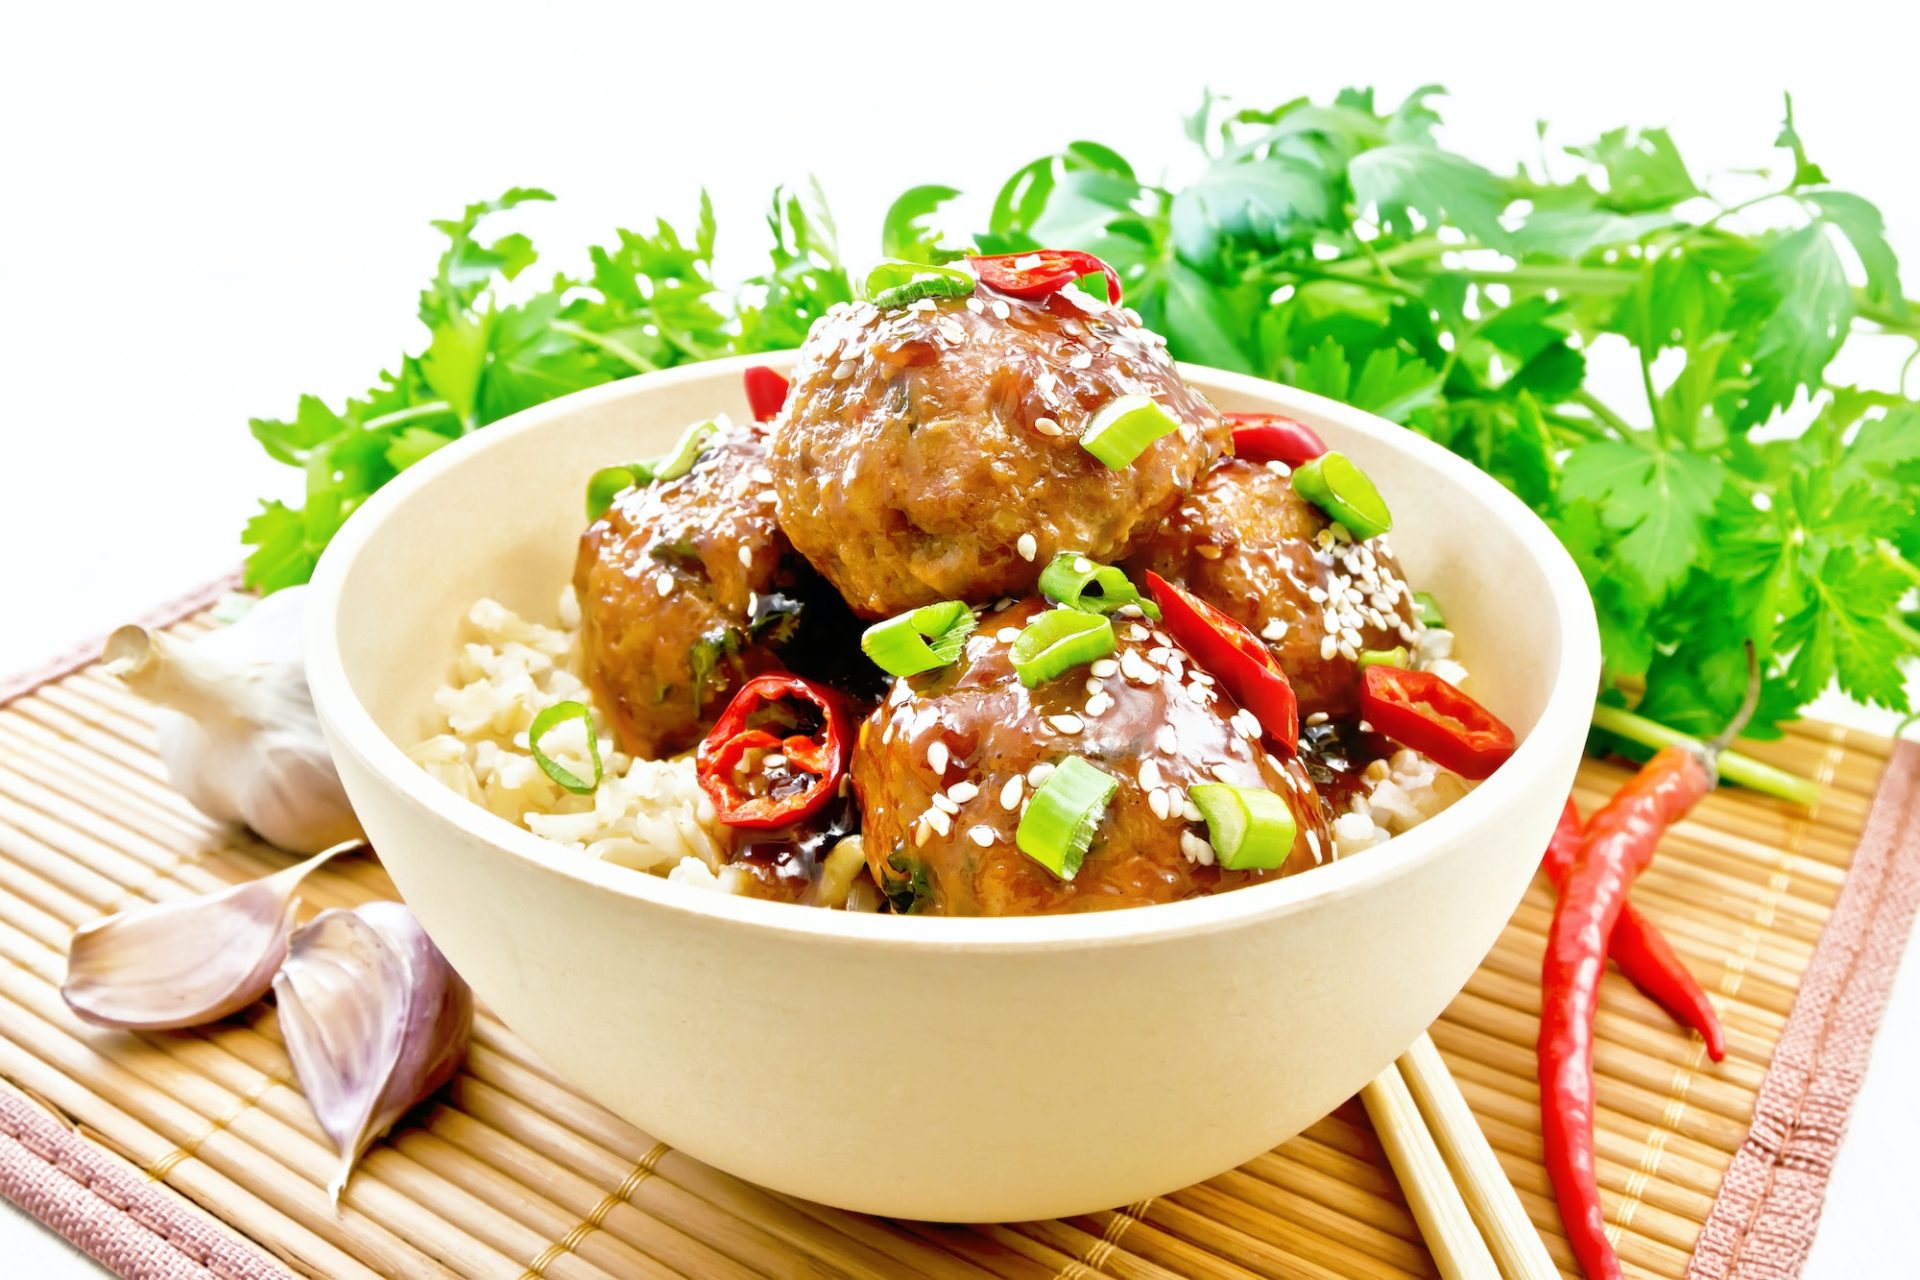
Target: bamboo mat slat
column 511, row 1173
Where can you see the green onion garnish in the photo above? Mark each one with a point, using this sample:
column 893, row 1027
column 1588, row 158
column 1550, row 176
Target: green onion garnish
column 557, row 714
column 919, row 639
column 1333, row 483
column 608, row 483
column 1427, row 610
column 1058, row 641
column 1079, row 583
column 895, row 284
column 1057, row 828
column 1124, row 427
column 693, row 441
column 1394, row 657
column 1250, row 828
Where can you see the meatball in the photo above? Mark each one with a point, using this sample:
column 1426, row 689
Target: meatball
column 932, row 452
column 944, row 768
column 1246, row 543
column 679, row 584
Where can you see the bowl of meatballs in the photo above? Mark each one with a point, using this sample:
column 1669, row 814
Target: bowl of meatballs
column 972, row 767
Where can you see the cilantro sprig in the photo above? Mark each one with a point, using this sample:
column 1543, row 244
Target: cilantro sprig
column 1337, row 246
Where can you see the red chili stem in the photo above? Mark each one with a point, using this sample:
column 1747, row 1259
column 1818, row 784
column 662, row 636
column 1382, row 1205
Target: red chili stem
column 1641, row 951
column 1619, row 843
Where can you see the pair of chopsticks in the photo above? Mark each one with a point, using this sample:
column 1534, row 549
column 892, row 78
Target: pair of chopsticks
column 1472, row 1220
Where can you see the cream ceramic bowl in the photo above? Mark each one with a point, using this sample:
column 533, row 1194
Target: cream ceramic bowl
column 961, row 1070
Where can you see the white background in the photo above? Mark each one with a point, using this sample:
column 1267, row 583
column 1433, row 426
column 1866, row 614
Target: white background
column 206, row 210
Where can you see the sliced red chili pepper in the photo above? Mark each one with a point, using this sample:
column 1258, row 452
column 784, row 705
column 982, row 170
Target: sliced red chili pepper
column 1268, row 437
column 1420, row 710
column 766, row 392
column 814, row 762
column 1234, row 656
column 1041, row 272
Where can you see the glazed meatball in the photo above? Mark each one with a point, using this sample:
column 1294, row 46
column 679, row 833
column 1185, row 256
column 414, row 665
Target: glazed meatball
column 945, row 767
column 932, row 452
column 1246, row 543
column 679, row 584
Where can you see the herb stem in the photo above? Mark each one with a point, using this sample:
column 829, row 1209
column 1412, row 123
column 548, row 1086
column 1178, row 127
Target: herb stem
column 1598, row 408
column 1734, row 767
column 412, row 413
column 612, row 346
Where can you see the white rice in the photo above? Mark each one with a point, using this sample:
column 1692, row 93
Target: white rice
column 650, row 815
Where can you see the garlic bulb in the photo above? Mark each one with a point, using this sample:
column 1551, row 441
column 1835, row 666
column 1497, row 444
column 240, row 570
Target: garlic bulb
column 239, row 737
column 179, row 964
column 375, row 1019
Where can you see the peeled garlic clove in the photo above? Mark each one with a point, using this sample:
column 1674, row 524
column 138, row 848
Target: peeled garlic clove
column 375, row 1019
column 179, row 964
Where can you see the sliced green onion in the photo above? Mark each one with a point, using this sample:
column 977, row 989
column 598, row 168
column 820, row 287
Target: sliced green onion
column 557, row 714
column 1124, row 427
column 1058, row 825
column 919, row 639
column 1426, row 610
column 1394, row 657
column 1336, row 485
column 608, row 483
column 895, row 284
column 693, row 442
column 1058, row 641
column 1250, row 828
column 1079, row 583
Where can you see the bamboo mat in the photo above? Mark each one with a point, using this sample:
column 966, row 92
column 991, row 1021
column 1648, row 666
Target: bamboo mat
column 510, row 1173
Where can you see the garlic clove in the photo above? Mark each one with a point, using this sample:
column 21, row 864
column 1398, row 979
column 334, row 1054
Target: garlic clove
column 374, row 1018
column 179, row 964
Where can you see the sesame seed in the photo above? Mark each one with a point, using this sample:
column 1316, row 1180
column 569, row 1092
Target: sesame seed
column 1039, row 774
column 767, row 495
column 1027, row 262
column 1327, row 646
column 944, row 804
column 746, row 556
column 1007, row 635
column 1279, row 468
column 1189, row 810
column 1313, row 844
column 976, row 306
column 663, row 583
column 1166, row 739
column 1276, row 629
column 1365, row 727
column 938, row 821
column 1137, row 668
column 762, row 475
column 1103, row 667
column 844, row 370
column 1048, row 427
column 774, row 761
column 951, row 331
column 920, row 833
column 1197, row 676
column 1207, row 551
column 1001, row 311
column 1130, row 611
column 886, row 734
column 1093, row 684
column 1221, row 771
column 1318, row 717
column 1082, row 565
column 1010, row 794
column 1196, row 849
column 1157, row 801
column 937, row 756
column 1099, row 704
column 1028, row 547
column 1317, row 594
column 1350, row 652
column 1150, row 774
column 1081, row 360
column 982, row 836
column 1161, row 637
column 961, row 792
column 1138, row 634
column 1068, row 724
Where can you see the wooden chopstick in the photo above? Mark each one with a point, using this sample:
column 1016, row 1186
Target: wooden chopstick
column 1472, row 1220
column 1445, row 1222
column 1491, row 1199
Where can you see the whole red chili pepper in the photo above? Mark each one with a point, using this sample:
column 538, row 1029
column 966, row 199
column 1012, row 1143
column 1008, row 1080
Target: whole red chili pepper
column 1643, row 953
column 1619, row 844
column 1419, row 709
column 1234, row 656
column 1040, row 272
column 1268, row 437
column 766, row 392
column 809, row 765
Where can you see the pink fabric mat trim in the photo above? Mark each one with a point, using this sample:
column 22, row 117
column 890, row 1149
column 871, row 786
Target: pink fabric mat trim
column 1763, row 1220
column 95, row 1200
column 25, row 682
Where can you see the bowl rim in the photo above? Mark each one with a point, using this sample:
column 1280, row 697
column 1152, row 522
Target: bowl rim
column 1565, row 714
